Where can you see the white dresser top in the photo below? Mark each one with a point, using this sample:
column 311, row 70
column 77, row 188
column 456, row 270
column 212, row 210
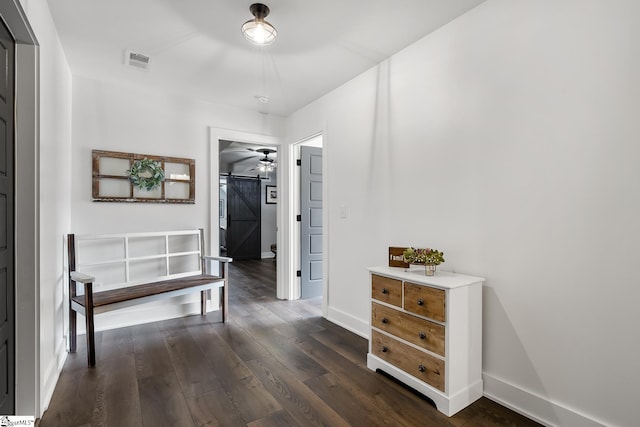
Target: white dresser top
column 442, row 279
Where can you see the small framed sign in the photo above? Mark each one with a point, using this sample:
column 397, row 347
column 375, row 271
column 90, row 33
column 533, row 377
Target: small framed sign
column 271, row 194
column 396, row 259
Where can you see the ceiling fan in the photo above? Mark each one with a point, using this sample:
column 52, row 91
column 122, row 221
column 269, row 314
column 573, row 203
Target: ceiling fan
column 266, row 164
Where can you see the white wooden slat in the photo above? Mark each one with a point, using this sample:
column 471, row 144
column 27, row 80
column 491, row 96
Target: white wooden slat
column 127, row 241
column 127, row 270
column 133, row 235
column 166, row 251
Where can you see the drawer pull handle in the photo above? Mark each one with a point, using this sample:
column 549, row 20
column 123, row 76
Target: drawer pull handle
column 420, row 301
column 385, row 290
column 422, row 335
column 385, row 320
column 421, row 368
column 384, row 349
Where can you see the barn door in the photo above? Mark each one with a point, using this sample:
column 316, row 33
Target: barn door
column 243, row 218
column 7, row 285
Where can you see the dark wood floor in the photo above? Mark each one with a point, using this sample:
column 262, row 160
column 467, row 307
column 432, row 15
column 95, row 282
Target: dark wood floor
column 275, row 363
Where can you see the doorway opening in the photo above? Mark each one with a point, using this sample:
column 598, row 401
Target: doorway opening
column 219, row 138
column 248, row 200
column 287, row 207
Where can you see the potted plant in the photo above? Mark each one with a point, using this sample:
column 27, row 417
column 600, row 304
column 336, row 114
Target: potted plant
column 427, row 256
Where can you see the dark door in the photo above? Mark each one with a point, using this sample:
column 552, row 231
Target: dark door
column 243, row 218
column 310, row 222
column 7, row 285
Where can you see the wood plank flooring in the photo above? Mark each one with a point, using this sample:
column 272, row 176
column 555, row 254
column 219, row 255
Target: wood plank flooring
column 275, row 363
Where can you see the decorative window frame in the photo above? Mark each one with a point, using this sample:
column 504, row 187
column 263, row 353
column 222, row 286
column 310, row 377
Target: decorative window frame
column 111, row 184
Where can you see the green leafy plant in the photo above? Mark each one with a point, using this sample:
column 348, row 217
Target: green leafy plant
column 146, row 174
column 423, row 256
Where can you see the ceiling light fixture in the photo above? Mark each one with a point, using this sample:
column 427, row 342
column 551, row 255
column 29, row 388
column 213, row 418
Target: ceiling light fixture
column 266, row 164
column 258, row 31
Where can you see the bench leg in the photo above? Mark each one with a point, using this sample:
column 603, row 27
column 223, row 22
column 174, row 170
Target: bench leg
column 224, row 300
column 225, row 292
column 91, row 344
column 88, row 314
column 203, row 303
column 73, row 331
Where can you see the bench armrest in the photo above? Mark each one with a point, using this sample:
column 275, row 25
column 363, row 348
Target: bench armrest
column 218, row 258
column 81, row 278
column 223, row 266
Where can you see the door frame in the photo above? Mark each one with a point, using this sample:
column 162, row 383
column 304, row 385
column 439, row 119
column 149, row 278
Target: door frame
column 217, row 134
column 288, row 240
column 27, row 231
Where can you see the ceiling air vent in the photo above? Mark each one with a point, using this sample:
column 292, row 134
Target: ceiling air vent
column 137, row 60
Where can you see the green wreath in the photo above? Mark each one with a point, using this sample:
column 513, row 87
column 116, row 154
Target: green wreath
column 146, row 174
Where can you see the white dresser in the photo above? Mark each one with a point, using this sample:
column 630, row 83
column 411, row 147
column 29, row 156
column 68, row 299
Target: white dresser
column 426, row 331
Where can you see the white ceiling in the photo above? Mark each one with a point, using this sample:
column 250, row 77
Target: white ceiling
column 241, row 158
column 197, row 50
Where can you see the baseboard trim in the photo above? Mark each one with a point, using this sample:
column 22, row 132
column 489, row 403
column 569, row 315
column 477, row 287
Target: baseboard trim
column 348, row 322
column 539, row 408
column 264, row 255
column 52, row 375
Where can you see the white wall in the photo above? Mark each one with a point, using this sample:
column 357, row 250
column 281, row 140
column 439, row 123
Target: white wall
column 119, row 118
column 507, row 139
column 268, row 225
column 54, row 183
column 127, row 119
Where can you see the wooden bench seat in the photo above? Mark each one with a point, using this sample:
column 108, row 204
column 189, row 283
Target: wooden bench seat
column 130, row 293
column 147, row 290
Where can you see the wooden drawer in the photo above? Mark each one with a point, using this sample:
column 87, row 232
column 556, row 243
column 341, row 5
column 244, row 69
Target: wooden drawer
column 423, row 333
column 386, row 290
column 425, row 301
column 414, row 362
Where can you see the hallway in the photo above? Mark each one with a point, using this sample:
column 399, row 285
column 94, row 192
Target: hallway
column 275, row 363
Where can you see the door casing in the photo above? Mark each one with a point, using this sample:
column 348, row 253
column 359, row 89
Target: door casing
column 288, row 286
column 7, row 225
column 27, row 231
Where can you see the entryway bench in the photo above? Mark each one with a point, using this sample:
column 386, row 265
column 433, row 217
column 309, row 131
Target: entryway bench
column 136, row 268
